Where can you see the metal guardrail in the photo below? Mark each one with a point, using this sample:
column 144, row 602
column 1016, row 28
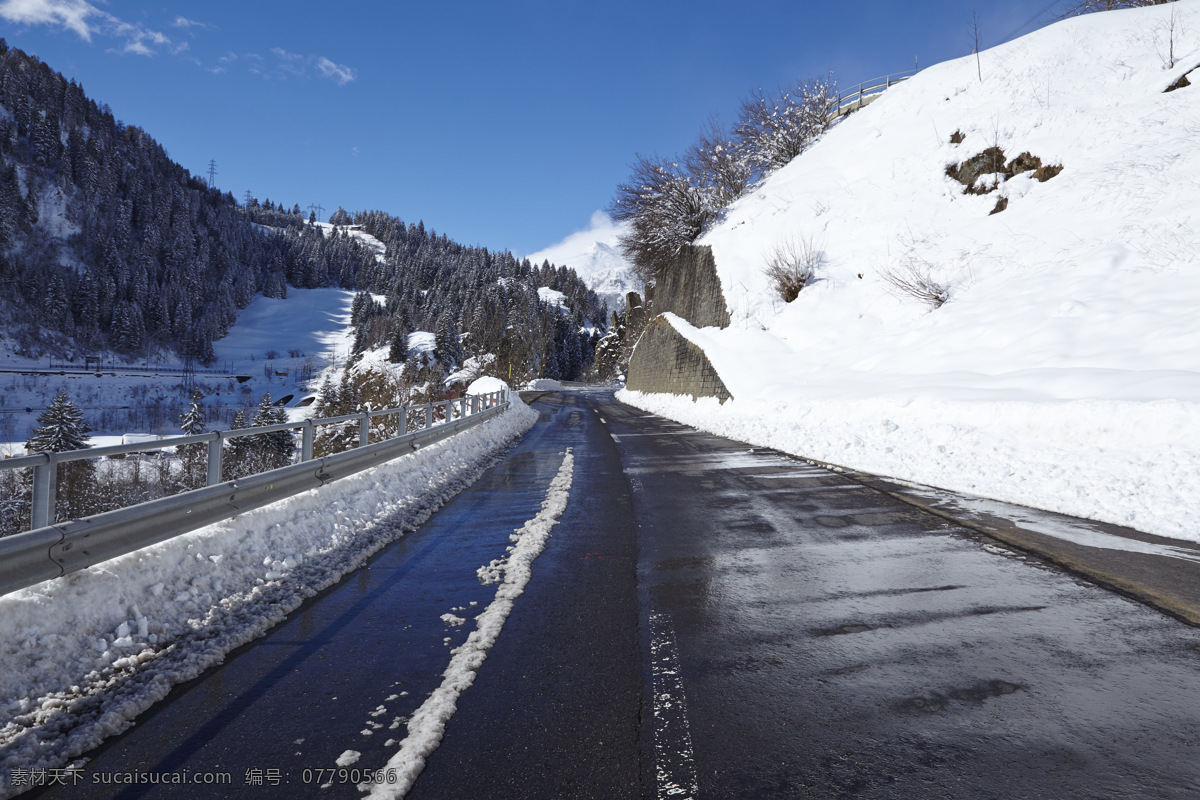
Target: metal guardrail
column 51, row 549
column 863, row 93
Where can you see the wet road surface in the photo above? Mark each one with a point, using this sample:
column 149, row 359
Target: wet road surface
column 707, row 620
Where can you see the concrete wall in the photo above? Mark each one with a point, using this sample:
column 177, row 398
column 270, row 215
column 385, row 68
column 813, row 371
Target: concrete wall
column 664, row 361
column 692, row 290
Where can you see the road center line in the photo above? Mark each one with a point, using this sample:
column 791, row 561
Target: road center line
column 428, row 723
column 674, row 761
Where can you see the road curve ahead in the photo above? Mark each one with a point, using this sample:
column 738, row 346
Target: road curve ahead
column 708, row 620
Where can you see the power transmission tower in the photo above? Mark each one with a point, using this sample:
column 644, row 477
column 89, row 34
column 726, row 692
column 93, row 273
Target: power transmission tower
column 249, row 196
column 212, row 173
column 319, row 210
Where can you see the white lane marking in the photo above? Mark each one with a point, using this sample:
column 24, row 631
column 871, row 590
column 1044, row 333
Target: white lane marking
column 603, row 420
column 674, row 762
column 428, row 723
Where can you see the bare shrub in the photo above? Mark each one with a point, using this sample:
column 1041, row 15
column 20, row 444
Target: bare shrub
column 792, row 263
column 914, row 279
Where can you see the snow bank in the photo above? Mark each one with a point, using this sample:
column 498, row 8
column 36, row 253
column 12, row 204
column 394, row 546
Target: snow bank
column 486, row 385
column 1064, row 371
column 83, row 655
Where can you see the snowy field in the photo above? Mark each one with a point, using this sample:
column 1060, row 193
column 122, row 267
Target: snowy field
column 83, row 655
column 1063, row 372
column 280, row 345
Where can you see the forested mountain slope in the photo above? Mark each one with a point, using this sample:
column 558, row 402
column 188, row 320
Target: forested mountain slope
column 107, row 244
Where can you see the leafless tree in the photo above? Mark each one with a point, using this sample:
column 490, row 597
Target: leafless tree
column 665, row 207
column 718, row 164
column 775, row 128
column 975, row 29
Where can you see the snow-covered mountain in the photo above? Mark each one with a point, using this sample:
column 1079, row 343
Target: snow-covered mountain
column 594, row 254
column 1063, row 371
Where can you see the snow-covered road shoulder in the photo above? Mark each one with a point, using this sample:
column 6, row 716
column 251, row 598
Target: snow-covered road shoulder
column 1126, row 462
column 85, row 654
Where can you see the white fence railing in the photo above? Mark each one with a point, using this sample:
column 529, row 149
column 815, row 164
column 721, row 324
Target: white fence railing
column 858, row 96
column 51, row 549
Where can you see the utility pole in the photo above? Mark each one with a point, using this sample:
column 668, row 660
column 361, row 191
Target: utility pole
column 212, row 173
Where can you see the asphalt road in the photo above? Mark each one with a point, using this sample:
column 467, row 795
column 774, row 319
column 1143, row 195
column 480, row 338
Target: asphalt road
column 706, row 621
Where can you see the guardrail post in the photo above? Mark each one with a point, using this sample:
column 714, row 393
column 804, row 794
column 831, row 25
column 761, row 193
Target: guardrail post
column 428, row 416
column 306, row 441
column 364, row 429
column 42, row 512
column 214, row 459
column 462, row 407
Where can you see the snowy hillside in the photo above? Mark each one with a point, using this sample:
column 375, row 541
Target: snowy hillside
column 1064, row 369
column 594, row 254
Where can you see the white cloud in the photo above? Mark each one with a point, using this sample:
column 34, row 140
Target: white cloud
column 184, row 22
column 338, row 72
column 74, row 15
column 595, row 254
column 299, row 65
column 85, row 21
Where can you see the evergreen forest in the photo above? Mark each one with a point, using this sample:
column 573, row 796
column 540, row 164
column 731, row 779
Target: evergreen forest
column 107, row 245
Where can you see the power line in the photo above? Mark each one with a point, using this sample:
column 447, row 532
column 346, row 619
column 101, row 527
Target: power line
column 1028, row 22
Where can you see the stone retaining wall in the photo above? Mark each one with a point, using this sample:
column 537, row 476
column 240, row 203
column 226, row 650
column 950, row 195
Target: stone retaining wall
column 665, row 361
column 691, row 289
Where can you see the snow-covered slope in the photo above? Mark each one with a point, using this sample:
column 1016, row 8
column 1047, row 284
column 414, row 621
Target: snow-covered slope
column 594, row 255
column 1064, row 370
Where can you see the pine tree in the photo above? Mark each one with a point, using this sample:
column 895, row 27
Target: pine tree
column 398, row 351
column 235, row 462
column 195, row 456
column 272, row 450
column 61, row 428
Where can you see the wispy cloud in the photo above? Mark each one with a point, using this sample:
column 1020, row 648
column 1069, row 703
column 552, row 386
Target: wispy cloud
column 299, row 65
column 185, row 23
column 85, row 21
column 88, row 22
column 74, row 15
column 338, row 72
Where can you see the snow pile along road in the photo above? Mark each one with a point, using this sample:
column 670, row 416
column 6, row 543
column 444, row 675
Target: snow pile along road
column 1063, row 370
column 85, row 654
column 512, row 572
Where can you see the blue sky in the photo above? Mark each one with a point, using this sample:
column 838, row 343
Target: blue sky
column 505, row 124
